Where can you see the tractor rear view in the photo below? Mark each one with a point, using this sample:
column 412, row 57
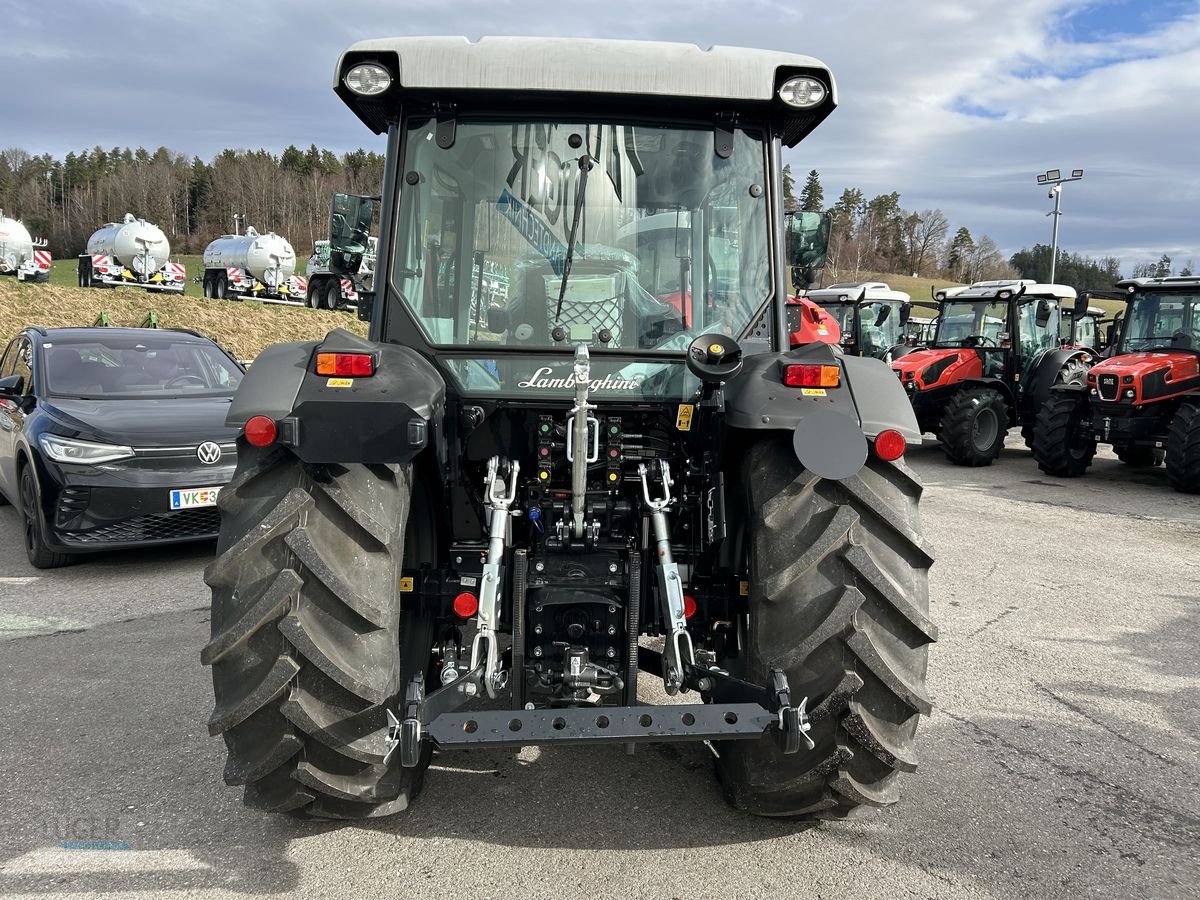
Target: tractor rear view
column 1144, row 400
column 994, row 357
column 475, row 531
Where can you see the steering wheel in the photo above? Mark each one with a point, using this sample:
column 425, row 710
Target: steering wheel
column 714, row 358
column 180, row 380
column 981, row 340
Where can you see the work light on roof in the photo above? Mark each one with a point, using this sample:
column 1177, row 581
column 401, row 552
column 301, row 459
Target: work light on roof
column 803, row 92
column 368, row 79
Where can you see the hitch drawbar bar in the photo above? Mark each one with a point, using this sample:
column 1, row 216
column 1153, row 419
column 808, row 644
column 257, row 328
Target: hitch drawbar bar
column 738, row 711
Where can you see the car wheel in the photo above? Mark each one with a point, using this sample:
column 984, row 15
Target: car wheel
column 33, row 526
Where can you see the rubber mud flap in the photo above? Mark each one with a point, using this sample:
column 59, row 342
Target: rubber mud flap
column 830, row 444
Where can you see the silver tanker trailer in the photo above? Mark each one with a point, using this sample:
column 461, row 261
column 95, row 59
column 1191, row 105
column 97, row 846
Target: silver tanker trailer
column 21, row 254
column 131, row 252
column 261, row 266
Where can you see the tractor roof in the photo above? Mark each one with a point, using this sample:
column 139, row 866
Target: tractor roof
column 862, row 291
column 1172, row 283
column 731, row 76
column 1025, row 287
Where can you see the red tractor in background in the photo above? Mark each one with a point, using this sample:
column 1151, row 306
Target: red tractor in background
column 1144, row 400
column 871, row 318
column 993, row 360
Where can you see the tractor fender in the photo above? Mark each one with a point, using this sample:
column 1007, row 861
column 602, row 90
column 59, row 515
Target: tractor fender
column 1042, row 379
column 387, row 417
column 830, row 427
column 996, row 384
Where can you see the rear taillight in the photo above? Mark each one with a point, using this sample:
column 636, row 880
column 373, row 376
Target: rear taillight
column 812, row 376
column 466, row 605
column 355, row 365
column 890, row 445
column 261, row 431
column 689, row 606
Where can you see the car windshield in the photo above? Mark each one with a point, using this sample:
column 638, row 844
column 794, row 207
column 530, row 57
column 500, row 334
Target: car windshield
column 117, row 368
column 670, row 240
column 1163, row 320
column 976, row 319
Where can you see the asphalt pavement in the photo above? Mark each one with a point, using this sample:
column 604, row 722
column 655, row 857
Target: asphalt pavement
column 1062, row 759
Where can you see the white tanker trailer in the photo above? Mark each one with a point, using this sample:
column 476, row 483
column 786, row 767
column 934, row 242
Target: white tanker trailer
column 20, row 254
column 255, row 265
column 131, row 252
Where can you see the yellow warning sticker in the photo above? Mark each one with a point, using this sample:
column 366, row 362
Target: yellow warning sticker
column 339, row 382
column 744, row 588
column 813, row 392
column 683, row 419
column 406, row 585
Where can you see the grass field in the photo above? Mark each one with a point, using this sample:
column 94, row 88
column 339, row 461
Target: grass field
column 245, row 328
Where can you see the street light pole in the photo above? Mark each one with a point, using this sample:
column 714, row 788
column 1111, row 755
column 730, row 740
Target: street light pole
column 1056, row 180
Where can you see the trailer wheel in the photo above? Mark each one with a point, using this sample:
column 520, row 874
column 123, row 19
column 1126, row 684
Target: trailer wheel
column 309, row 646
column 208, row 286
column 839, row 599
column 973, row 426
column 220, row 286
column 1140, row 457
column 1063, row 443
column 1183, row 448
column 316, row 291
column 85, row 273
column 333, row 294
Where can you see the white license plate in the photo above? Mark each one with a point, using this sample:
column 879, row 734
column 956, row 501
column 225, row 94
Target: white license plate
column 194, row 498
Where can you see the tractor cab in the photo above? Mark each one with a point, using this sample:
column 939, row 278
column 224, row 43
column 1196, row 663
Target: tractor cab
column 1083, row 330
column 1144, row 398
column 1000, row 338
column 871, row 317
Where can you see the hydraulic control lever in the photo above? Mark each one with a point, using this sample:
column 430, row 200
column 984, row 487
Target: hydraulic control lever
column 677, row 652
column 498, row 498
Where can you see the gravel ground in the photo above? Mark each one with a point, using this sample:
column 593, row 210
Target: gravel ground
column 1061, row 760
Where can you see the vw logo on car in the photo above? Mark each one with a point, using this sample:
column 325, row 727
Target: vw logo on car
column 209, row 453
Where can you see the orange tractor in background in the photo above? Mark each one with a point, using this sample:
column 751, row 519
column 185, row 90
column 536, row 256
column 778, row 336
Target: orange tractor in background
column 1144, row 400
column 994, row 358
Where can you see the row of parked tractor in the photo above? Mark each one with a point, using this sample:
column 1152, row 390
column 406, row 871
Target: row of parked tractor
column 136, row 253
column 996, row 355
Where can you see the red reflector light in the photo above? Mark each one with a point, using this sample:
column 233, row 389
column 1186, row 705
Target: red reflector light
column 466, row 605
column 890, row 445
column 260, row 431
column 812, row 376
column 354, row 365
column 689, row 606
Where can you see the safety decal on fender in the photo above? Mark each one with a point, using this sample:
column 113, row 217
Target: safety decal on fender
column 744, row 588
column 813, row 392
column 406, row 585
column 683, row 418
column 339, row 382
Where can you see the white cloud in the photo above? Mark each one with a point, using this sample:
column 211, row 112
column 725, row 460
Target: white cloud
column 201, row 76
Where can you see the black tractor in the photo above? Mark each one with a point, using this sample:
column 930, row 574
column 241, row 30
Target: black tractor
column 492, row 523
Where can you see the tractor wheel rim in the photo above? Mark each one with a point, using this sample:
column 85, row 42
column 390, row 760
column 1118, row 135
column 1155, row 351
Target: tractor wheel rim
column 984, row 429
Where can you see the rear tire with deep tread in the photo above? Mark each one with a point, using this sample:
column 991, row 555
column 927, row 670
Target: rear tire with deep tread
column 962, row 425
column 1061, row 445
column 839, row 599
column 1183, row 447
column 308, row 646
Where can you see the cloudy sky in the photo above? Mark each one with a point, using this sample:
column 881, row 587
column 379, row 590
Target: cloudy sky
column 956, row 104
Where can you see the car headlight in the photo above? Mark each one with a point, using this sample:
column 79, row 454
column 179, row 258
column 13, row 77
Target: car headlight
column 70, row 450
